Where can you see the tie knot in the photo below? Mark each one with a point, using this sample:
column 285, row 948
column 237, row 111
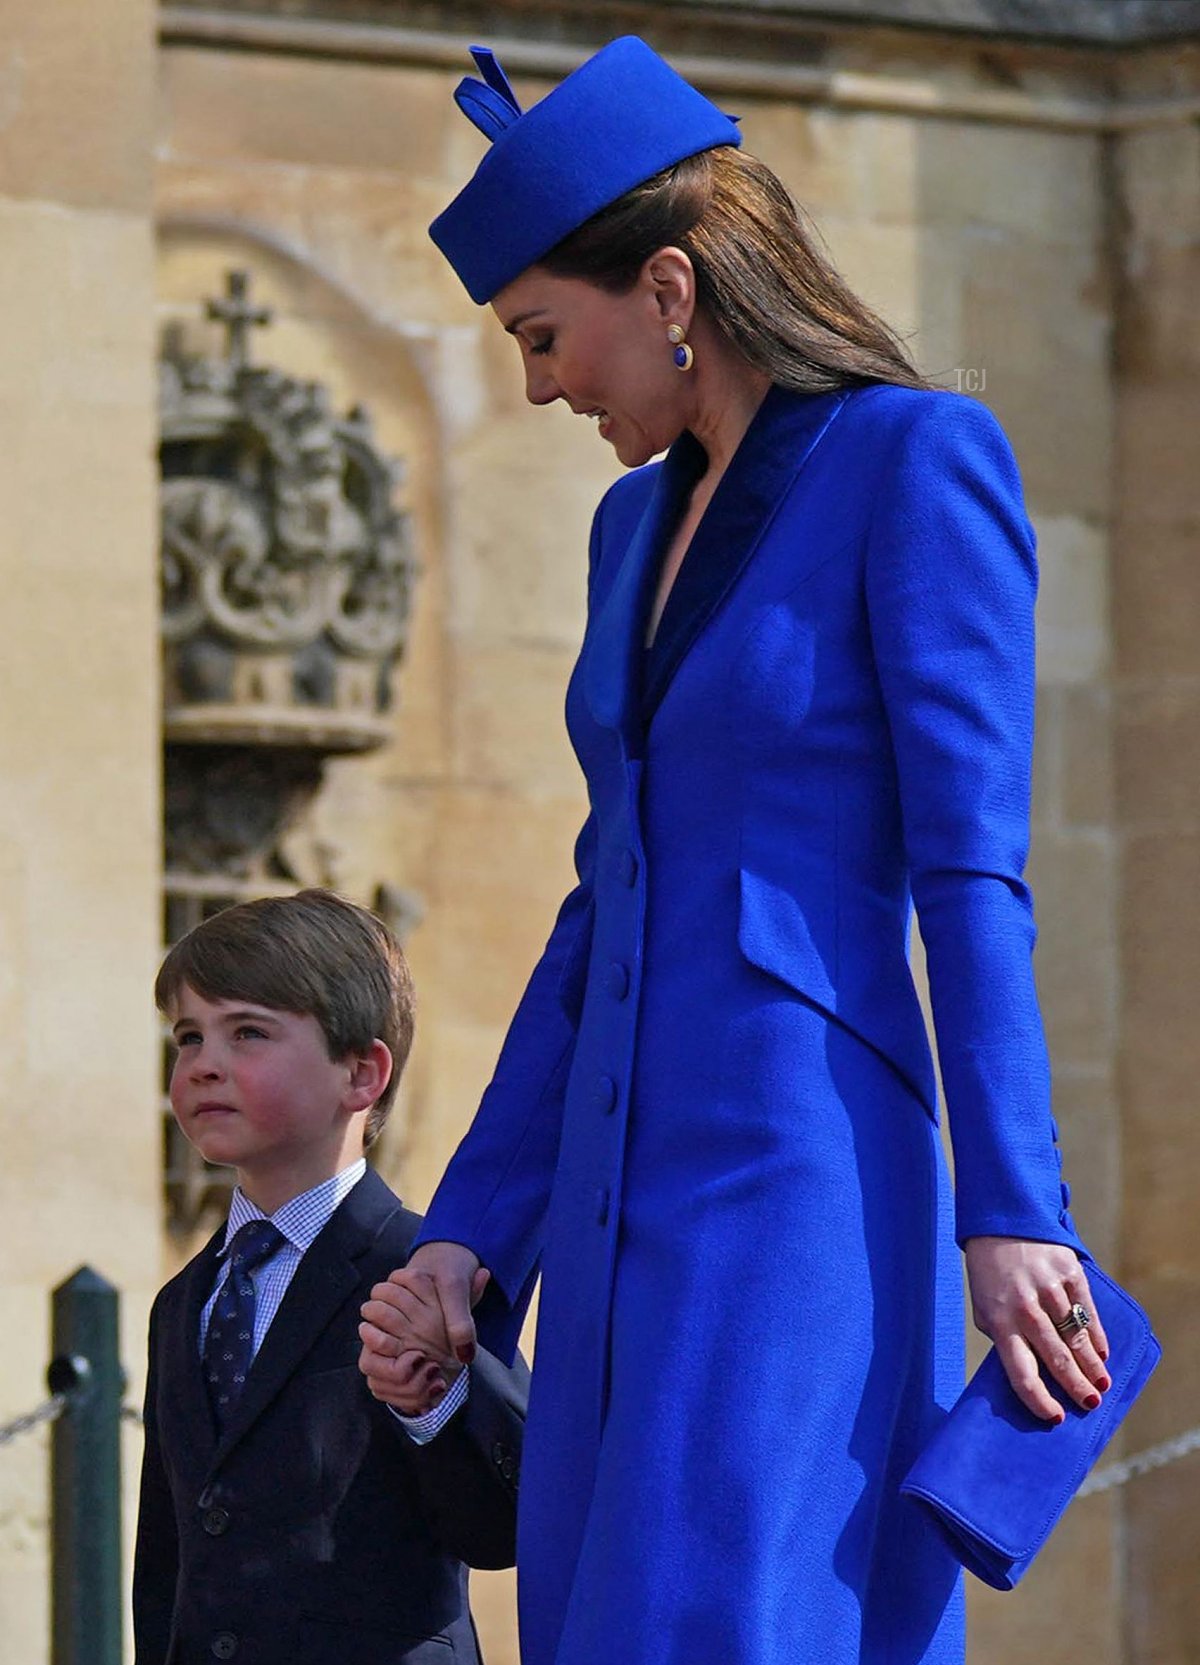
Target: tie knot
column 253, row 1243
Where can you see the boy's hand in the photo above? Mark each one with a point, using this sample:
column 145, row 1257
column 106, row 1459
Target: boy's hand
column 411, row 1384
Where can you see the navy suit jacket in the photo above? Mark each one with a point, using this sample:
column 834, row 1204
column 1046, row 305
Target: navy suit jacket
column 313, row 1529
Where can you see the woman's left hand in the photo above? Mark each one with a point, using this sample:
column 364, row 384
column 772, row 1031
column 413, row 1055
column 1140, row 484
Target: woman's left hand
column 1019, row 1290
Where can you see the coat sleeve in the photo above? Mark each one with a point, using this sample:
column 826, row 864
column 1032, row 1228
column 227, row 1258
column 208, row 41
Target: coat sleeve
column 496, row 1190
column 156, row 1553
column 468, row 1474
column 951, row 584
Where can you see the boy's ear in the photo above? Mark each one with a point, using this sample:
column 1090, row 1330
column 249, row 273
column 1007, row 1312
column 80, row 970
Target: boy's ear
column 370, row 1073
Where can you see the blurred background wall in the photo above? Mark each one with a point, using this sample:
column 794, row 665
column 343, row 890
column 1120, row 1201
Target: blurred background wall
column 1015, row 184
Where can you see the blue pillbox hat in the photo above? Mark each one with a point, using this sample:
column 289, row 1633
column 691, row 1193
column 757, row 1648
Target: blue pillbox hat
column 617, row 120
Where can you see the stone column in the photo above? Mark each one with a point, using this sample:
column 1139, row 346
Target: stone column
column 1156, row 619
column 79, row 818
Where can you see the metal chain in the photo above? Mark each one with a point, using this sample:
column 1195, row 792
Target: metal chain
column 48, row 1411
column 1144, row 1462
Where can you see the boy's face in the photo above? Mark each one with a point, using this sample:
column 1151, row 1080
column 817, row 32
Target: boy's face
column 255, row 1088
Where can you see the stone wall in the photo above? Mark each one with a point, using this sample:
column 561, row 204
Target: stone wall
column 79, row 1174
column 1156, row 709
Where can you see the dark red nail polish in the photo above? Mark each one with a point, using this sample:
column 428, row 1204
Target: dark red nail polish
column 1092, row 1400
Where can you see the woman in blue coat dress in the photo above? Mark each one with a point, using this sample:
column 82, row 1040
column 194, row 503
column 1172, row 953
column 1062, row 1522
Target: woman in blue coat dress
column 803, row 703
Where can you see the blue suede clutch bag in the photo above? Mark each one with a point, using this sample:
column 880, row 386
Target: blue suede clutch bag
column 996, row 1479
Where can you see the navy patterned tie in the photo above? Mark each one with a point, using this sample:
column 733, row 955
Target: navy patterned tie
column 229, row 1344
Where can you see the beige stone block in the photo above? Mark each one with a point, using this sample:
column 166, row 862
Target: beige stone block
column 1158, row 173
column 1159, row 331
column 305, row 112
column 1073, row 600
column 1163, row 1608
column 508, row 717
column 1036, row 331
column 456, row 1062
column 1061, row 431
column 1156, row 591
column 362, row 236
column 1158, row 418
column 76, row 102
column 1160, row 1052
column 1073, row 877
column 1158, row 755
column 503, row 867
column 522, row 492
column 1073, row 763
column 1075, row 1574
column 1087, row 755
column 1041, row 185
column 1088, row 1118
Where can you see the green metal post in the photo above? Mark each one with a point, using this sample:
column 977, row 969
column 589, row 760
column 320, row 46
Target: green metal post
column 85, row 1474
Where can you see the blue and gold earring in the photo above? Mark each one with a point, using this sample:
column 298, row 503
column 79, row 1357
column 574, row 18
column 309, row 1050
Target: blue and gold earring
column 683, row 355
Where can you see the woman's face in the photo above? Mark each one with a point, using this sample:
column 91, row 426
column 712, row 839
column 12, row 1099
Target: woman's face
column 606, row 355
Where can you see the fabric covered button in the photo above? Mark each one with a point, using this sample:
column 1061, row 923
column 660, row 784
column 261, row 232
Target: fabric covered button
column 215, row 1522
column 618, row 980
column 223, row 1645
column 628, row 868
column 604, row 1095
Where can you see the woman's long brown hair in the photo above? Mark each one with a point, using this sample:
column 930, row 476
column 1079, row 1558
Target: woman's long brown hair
column 760, row 273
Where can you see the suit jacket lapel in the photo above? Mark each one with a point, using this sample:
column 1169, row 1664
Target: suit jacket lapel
column 786, row 428
column 613, row 655
column 181, row 1374
column 326, row 1278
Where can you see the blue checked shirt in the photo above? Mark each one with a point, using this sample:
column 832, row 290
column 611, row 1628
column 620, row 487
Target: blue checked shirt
column 300, row 1221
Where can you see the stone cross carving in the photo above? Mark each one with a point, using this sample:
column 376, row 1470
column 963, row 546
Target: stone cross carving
column 239, row 317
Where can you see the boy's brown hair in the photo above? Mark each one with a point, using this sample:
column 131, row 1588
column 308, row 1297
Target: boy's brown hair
column 314, row 954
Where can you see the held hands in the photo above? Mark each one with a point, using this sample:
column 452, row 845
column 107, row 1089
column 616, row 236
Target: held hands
column 417, row 1330
column 1018, row 1290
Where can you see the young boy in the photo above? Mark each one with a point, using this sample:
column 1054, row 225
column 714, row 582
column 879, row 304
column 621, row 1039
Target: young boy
column 287, row 1517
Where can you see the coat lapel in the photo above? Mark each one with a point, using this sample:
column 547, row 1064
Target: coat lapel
column 785, row 430
column 326, row 1278
column 613, row 659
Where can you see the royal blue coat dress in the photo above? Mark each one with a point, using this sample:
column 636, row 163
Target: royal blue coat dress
column 713, row 1123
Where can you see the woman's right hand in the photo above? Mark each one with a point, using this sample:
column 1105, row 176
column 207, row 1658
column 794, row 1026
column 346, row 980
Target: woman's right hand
column 425, row 1307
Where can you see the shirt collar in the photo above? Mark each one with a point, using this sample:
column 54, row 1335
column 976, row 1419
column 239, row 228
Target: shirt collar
column 305, row 1216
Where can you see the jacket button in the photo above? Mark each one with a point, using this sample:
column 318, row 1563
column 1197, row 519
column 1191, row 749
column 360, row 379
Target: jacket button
column 604, row 1095
column 628, row 868
column 508, row 1468
column 618, row 980
column 499, row 1453
column 215, row 1521
column 602, row 1207
column 223, row 1645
